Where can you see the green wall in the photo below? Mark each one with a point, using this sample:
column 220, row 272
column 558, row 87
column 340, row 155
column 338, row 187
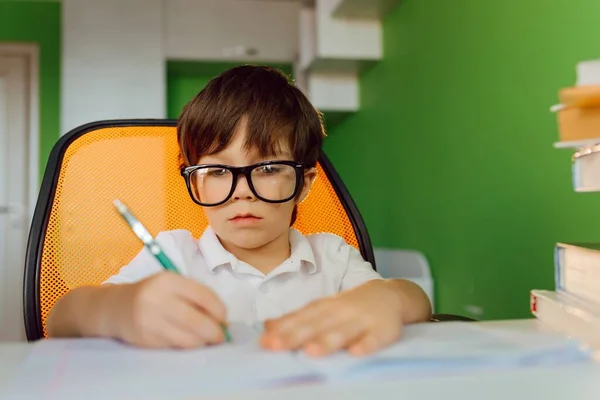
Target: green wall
column 39, row 22
column 186, row 78
column 452, row 151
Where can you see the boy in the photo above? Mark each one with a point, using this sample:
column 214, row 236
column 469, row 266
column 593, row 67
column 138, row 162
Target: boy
column 250, row 141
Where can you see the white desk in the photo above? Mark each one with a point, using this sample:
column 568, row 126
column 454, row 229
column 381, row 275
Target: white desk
column 581, row 382
column 11, row 356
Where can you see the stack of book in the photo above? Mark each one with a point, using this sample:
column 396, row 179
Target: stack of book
column 574, row 306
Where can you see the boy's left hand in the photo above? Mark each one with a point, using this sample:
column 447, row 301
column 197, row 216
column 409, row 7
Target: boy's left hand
column 362, row 320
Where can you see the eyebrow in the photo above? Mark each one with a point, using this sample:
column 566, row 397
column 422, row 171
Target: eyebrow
column 219, row 162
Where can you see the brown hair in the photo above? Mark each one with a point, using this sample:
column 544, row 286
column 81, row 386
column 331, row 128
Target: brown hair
column 274, row 107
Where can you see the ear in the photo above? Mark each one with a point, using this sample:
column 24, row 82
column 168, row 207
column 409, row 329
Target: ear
column 309, row 177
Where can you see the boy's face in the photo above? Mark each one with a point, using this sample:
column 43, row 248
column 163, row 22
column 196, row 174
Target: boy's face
column 245, row 221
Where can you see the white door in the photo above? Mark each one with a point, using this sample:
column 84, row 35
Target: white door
column 14, row 196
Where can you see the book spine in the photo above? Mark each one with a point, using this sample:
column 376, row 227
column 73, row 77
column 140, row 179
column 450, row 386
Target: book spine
column 565, row 316
column 558, row 267
column 577, row 273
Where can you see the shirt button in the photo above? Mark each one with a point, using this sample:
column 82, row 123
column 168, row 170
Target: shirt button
column 264, row 289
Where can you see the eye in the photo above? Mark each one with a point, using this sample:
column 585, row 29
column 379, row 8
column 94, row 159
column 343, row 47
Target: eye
column 269, row 169
column 216, row 172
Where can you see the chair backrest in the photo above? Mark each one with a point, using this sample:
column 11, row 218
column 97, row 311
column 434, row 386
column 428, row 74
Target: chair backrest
column 77, row 238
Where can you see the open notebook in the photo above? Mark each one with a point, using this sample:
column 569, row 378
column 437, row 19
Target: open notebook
column 98, row 368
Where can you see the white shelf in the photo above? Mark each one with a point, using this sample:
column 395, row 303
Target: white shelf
column 584, row 172
column 333, row 91
column 364, row 9
column 328, row 44
column 576, row 144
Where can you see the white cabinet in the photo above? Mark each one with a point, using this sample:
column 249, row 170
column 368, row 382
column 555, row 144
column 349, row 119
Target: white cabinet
column 113, row 64
column 364, row 9
column 231, row 30
column 115, row 51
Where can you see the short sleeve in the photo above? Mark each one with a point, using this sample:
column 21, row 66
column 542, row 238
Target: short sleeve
column 358, row 271
column 341, row 261
column 144, row 264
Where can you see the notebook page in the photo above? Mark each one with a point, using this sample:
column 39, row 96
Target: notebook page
column 454, row 345
column 101, row 369
column 98, row 368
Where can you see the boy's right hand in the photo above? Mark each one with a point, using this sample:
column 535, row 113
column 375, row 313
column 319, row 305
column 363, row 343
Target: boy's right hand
column 168, row 310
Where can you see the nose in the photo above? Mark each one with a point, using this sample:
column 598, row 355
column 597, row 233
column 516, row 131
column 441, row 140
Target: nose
column 242, row 190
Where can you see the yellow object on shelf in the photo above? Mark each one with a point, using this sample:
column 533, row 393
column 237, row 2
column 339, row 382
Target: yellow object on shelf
column 579, row 113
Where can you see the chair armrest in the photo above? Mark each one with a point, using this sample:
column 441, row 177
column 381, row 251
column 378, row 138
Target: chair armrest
column 449, row 317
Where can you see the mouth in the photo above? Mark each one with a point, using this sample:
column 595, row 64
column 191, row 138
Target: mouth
column 245, row 218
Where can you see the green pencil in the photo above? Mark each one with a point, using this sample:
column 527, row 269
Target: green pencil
column 142, row 233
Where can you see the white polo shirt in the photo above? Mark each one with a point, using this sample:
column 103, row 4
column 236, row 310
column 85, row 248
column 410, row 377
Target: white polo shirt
column 320, row 265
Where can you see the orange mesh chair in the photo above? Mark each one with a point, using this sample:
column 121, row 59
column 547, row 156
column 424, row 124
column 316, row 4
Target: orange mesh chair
column 77, row 238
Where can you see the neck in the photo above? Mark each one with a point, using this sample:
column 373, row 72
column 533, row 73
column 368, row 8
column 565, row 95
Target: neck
column 265, row 258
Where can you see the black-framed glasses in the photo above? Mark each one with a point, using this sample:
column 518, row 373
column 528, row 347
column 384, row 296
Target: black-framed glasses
column 271, row 181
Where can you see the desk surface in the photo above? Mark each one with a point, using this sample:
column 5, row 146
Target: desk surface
column 548, row 383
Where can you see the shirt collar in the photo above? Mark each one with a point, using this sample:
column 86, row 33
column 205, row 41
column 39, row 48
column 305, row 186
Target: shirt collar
column 213, row 251
column 302, row 250
column 216, row 255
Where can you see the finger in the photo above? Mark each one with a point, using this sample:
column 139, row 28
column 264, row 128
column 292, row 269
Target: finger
column 165, row 336
column 196, row 322
column 335, row 338
column 303, row 332
column 174, row 336
column 289, row 322
column 290, row 339
column 278, row 332
column 372, row 341
column 203, row 297
column 367, row 344
column 296, row 332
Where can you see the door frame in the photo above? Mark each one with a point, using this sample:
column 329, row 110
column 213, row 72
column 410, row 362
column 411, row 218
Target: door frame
column 30, row 51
